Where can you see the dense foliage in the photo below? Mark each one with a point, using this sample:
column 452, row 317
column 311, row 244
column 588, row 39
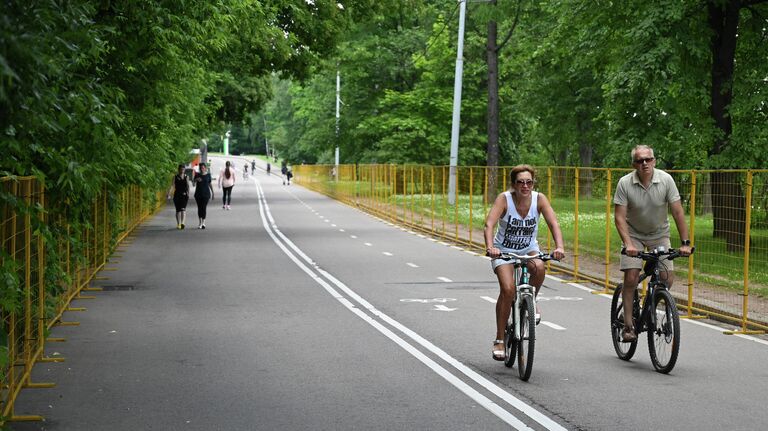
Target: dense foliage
column 580, row 83
column 96, row 95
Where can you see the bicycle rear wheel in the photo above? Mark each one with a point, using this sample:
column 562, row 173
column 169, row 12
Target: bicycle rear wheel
column 624, row 351
column 510, row 344
column 527, row 341
column 664, row 338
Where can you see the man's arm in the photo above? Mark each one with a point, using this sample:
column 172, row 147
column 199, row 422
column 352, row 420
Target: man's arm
column 679, row 215
column 620, row 219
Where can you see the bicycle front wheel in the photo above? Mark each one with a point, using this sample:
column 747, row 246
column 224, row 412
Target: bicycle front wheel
column 624, row 351
column 510, row 344
column 527, row 341
column 664, row 336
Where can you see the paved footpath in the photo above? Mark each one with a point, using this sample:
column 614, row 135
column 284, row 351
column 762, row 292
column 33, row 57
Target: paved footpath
column 292, row 311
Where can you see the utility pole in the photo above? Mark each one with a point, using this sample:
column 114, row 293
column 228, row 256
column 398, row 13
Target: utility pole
column 338, row 103
column 456, row 105
column 266, row 143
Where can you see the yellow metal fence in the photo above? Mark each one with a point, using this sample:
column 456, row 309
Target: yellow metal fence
column 726, row 278
column 45, row 265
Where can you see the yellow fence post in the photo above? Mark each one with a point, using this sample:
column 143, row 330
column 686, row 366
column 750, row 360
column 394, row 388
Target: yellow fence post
column 747, row 233
column 607, row 281
column 692, row 235
column 471, row 199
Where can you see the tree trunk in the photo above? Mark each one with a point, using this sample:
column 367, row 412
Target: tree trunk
column 729, row 209
column 493, row 112
column 728, row 201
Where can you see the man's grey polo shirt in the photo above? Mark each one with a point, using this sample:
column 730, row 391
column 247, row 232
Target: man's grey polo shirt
column 647, row 209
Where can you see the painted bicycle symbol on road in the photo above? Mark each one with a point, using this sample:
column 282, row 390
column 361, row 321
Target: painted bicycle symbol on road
column 437, row 302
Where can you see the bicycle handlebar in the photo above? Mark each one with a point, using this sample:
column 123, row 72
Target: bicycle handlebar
column 526, row 257
column 657, row 254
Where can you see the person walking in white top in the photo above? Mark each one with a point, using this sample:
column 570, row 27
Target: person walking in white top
column 226, row 183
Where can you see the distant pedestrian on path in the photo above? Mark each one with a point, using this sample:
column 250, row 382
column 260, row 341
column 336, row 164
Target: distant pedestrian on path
column 180, row 189
column 203, row 193
column 269, row 168
column 253, row 167
column 226, row 183
column 284, row 171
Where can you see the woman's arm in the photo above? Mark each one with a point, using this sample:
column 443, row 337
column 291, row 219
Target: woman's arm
column 545, row 208
column 497, row 211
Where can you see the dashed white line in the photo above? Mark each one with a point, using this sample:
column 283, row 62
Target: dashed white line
column 412, row 265
column 489, row 299
column 369, row 244
column 386, row 253
column 353, row 236
column 445, row 279
column 342, row 230
column 552, row 325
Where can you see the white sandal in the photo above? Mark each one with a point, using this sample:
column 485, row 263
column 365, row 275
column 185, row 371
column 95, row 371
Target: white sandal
column 498, row 355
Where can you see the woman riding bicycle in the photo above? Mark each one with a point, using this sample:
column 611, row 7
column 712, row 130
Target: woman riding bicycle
column 517, row 234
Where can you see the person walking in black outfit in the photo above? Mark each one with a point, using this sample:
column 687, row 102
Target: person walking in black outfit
column 203, row 193
column 180, row 189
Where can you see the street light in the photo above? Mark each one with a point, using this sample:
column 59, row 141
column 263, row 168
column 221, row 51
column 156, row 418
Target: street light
column 456, row 106
column 457, row 102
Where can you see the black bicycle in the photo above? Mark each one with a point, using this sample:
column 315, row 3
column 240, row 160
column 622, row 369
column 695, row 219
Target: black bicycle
column 659, row 316
column 520, row 332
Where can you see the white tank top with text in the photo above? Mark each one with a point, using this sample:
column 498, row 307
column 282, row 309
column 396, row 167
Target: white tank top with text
column 518, row 234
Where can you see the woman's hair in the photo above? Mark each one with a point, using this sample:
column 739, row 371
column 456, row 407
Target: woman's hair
column 226, row 171
column 521, row 168
column 181, row 166
column 202, row 165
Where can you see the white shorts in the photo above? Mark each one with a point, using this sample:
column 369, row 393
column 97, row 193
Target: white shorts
column 495, row 263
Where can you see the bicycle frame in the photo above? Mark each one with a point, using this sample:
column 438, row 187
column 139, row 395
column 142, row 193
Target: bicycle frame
column 522, row 289
column 647, row 317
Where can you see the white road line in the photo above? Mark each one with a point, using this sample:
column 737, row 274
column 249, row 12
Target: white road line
column 386, row 253
column 333, row 225
column 369, row 244
column 445, row 279
column 353, row 236
column 543, row 322
column 342, row 230
column 482, row 400
column 412, row 265
column 552, row 325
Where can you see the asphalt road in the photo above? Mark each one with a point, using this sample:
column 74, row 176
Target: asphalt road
column 292, row 311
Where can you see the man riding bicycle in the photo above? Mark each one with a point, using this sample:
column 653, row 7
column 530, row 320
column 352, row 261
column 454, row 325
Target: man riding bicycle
column 642, row 201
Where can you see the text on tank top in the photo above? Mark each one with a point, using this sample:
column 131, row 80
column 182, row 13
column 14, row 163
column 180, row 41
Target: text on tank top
column 516, row 232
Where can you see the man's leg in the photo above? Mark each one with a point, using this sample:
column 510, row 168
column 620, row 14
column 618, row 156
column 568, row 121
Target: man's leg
column 631, row 277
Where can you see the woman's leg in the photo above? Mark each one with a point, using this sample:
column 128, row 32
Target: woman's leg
column 506, row 275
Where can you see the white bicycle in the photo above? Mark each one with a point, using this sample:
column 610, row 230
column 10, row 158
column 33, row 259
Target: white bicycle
column 520, row 333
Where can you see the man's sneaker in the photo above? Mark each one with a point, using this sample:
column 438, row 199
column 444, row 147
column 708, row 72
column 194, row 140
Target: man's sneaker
column 182, row 225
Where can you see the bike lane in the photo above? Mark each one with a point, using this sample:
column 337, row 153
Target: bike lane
column 576, row 377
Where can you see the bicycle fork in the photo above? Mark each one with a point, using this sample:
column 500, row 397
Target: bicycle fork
column 524, row 291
